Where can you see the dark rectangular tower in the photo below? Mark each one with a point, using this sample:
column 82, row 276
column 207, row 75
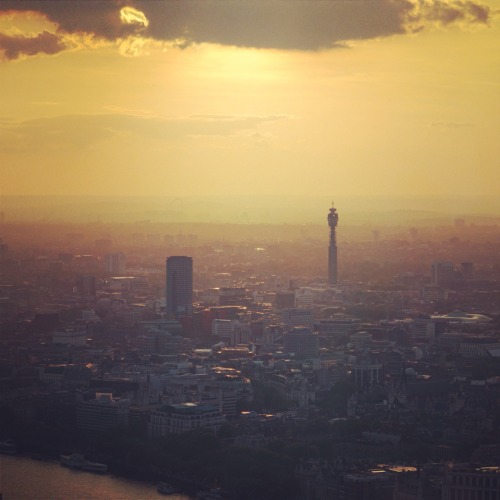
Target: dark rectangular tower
column 179, row 286
column 333, row 219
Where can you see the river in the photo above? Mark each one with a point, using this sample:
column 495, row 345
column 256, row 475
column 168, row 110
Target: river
column 23, row 478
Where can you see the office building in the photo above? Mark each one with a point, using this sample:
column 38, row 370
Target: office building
column 179, row 286
column 366, row 373
column 302, row 342
column 179, row 418
column 473, row 483
column 232, row 296
column 86, row 284
column 304, row 297
column 338, row 326
column 102, row 413
column 70, row 336
column 284, row 300
column 114, row 264
column 222, row 328
column 442, row 273
column 423, row 329
column 333, row 219
column 297, row 317
column 467, row 270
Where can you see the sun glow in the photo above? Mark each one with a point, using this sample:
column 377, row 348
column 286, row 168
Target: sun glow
column 241, row 64
column 27, row 23
column 129, row 15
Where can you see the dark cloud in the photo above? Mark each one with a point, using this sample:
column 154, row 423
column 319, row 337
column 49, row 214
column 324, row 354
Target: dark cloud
column 480, row 13
column 446, row 13
column 12, row 47
column 279, row 24
column 100, row 17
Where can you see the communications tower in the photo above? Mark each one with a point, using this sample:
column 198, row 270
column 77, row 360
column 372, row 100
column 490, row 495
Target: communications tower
column 333, row 220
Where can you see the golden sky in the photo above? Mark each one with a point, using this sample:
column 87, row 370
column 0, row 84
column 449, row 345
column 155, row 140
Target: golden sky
column 244, row 97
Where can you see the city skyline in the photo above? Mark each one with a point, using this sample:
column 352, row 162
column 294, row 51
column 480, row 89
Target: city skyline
column 328, row 98
column 177, row 308
column 250, row 369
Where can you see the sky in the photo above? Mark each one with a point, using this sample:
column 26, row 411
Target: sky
column 334, row 98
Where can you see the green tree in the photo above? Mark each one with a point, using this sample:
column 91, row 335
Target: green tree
column 335, row 401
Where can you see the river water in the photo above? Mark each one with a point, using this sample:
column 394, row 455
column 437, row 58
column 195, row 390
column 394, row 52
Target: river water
column 22, row 478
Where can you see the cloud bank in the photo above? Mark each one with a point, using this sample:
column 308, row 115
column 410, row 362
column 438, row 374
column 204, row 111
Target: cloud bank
column 82, row 131
column 277, row 24
column 15, row 46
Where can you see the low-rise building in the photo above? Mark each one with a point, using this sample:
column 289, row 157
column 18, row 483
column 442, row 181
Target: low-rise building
column 474, row 483
column 179, row 418
column 102, row 413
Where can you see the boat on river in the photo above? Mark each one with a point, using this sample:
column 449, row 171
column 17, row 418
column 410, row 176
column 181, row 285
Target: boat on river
column 78, row 461
column 212, row 494
column 8, row 447
column 166, row 488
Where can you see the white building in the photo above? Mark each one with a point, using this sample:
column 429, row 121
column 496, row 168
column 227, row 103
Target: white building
column 366, row 373
column 360, row 340
column 297, row 317
column 70, row 336
column 209, row 297
column 102, row 413
column 179, row 418
column 423, row 329
column 304, row 297
column 222, row 328
column 338, row 326
column 232, row 331
column 89, row 315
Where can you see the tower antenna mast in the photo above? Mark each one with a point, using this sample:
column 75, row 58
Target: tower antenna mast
column 333, row 220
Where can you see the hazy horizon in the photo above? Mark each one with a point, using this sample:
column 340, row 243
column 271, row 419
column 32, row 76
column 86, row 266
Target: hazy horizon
column 246, row 209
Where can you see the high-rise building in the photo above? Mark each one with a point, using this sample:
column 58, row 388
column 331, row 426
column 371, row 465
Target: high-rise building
column 179, row 286
column 86, row 284
column 333, row 219
column 114, row 263
column 467, row 269
column 442, row 273
column 302, row 342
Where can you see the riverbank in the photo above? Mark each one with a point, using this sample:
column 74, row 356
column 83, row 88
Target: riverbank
column 24, row 478
column 120, row 462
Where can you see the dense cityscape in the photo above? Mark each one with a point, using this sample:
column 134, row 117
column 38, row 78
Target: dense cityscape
column 249, row 250
column 257, row 362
